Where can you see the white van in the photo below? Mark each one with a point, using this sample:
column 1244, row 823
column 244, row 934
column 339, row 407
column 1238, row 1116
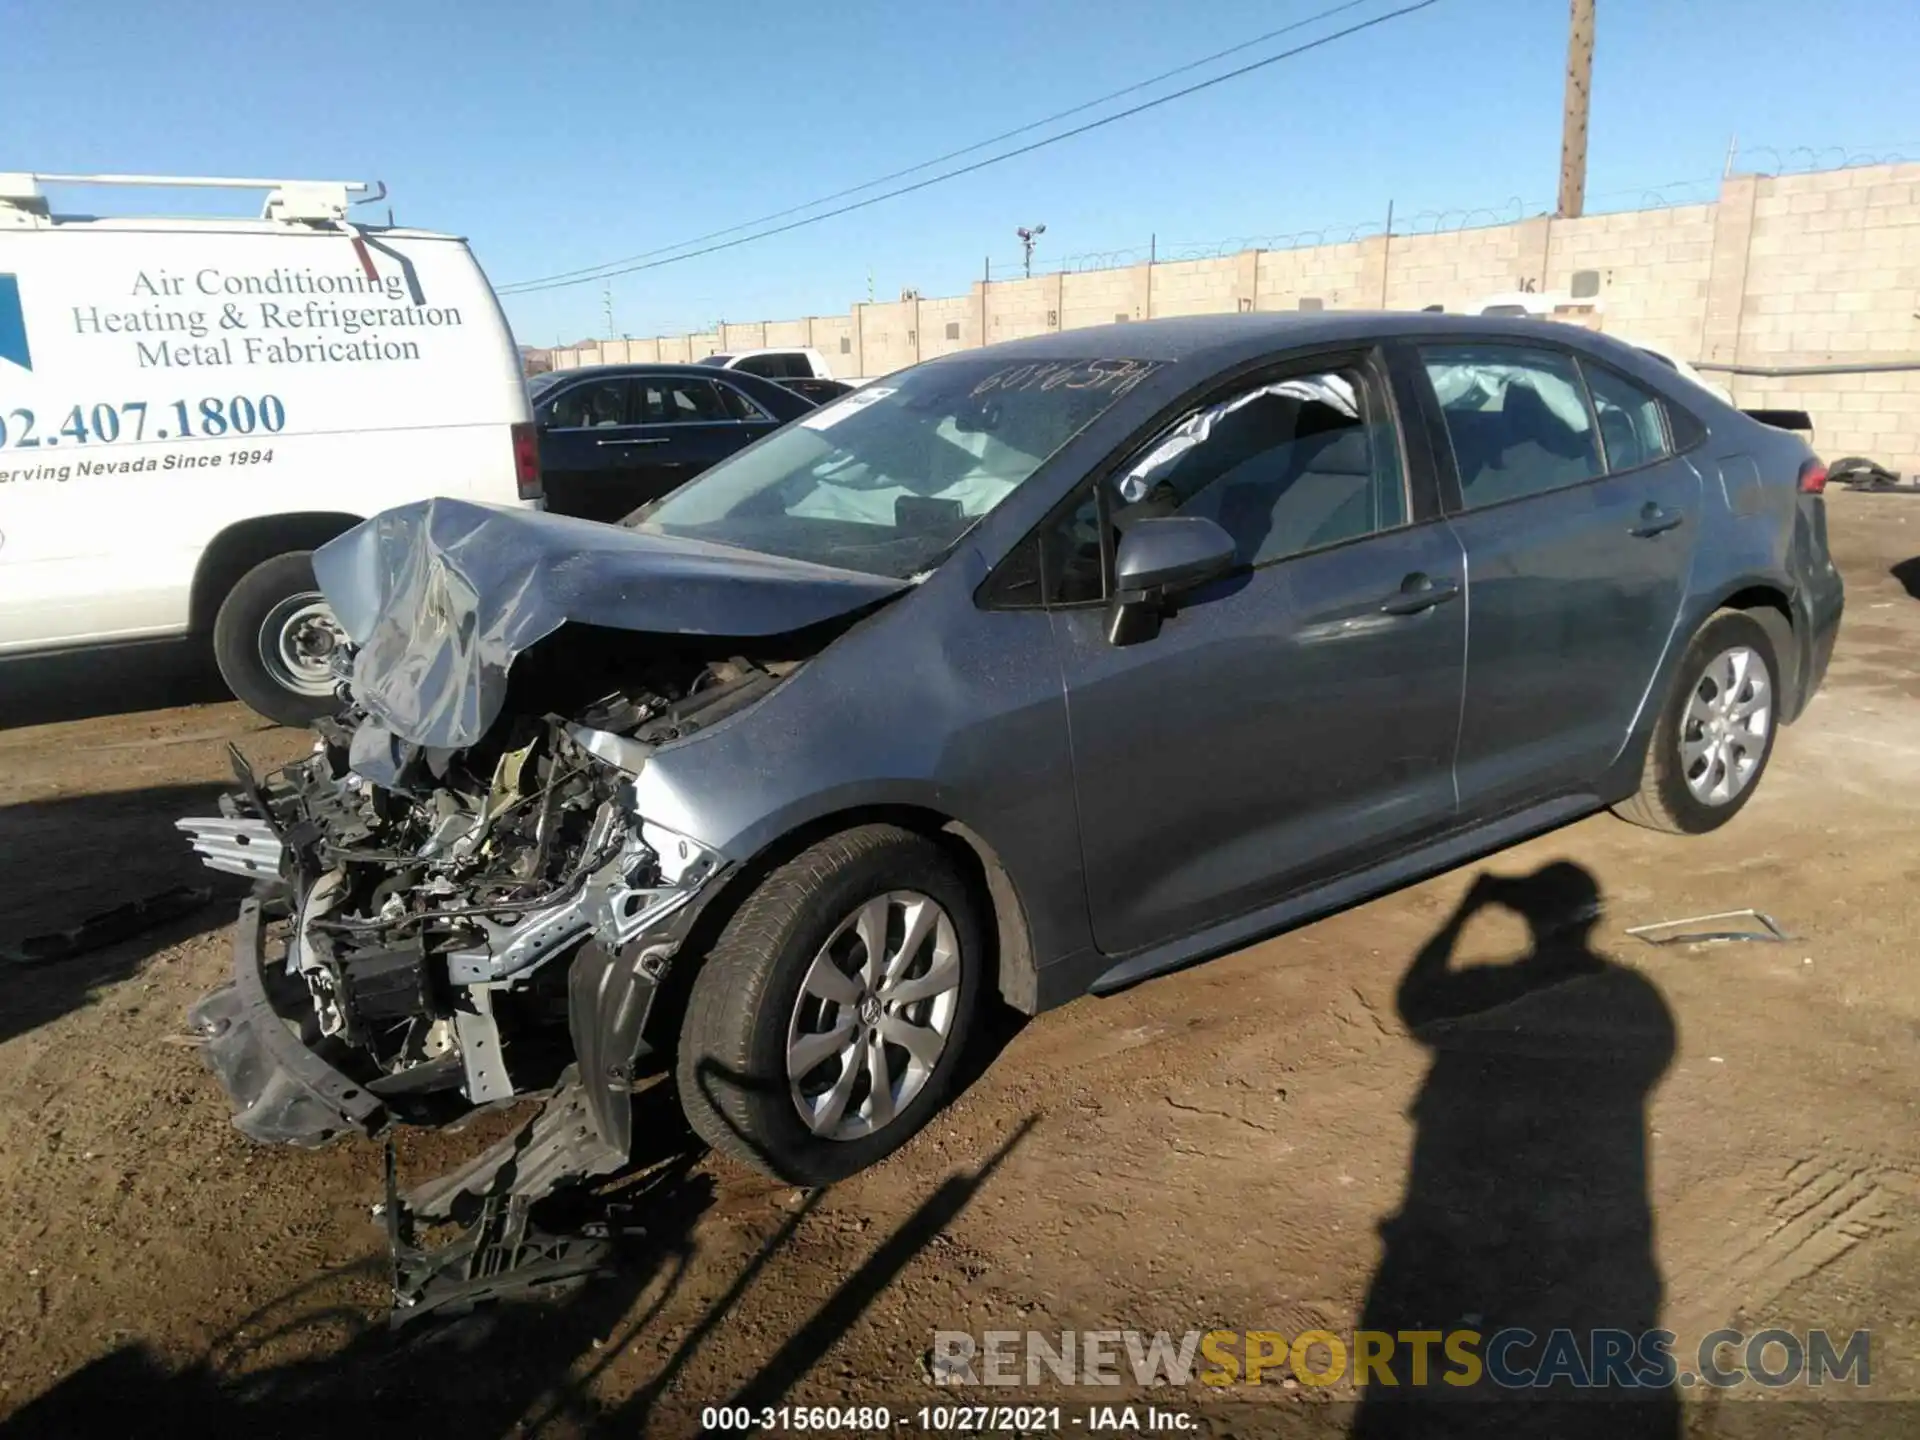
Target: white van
column 188, row 407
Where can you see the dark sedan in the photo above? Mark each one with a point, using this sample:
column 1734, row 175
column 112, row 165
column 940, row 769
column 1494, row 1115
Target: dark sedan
column 613, row 437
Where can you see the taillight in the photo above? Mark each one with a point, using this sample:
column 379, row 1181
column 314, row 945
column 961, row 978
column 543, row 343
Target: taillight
column 526, row 461
column 1813, row 477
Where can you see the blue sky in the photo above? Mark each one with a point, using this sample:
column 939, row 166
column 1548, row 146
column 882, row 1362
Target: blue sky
column 559, row 137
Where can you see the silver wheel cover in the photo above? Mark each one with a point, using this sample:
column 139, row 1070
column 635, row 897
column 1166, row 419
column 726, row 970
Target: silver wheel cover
column 1723, row 734
column 874, row 1015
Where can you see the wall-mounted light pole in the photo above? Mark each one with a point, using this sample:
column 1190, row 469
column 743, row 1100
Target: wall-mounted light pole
column 1027, row 237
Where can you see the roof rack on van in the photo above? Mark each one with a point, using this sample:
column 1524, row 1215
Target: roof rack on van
column 306, row 202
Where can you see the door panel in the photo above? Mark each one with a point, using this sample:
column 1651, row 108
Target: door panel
column 587, row 448
column 1293, row 719
column 1281, row 728
column 1574, row 583
column 687, row 424
column 1571, row 611
column 674, row 454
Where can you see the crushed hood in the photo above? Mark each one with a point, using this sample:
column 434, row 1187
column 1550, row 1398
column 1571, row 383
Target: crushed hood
column 440, row 596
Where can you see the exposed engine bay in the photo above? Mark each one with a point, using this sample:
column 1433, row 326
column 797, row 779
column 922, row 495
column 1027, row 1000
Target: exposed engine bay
column 434, row 931
column 457, row 900
column 427, row 893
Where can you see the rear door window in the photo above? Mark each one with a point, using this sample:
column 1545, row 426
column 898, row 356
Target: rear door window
column 678, row 401
column 1517, row 417
column 1632, row 420
column 738, row 406
column 590, row 405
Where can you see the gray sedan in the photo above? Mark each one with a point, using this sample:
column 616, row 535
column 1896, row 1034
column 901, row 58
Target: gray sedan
column 1031, row 671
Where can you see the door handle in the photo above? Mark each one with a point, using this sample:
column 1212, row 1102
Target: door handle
column 1655, row 520
column 1419, row 592
column 655, row 440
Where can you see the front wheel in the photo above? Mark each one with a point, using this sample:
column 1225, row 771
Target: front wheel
column 1715, row 736
column 274, row 641
column 826, row 1025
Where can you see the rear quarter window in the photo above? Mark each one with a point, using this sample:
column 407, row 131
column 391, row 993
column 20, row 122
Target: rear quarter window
column 1686, row 428
column 1633, row 425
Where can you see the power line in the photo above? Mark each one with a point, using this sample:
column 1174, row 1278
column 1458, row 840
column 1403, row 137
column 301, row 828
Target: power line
column 601, row 273
column 942, row 159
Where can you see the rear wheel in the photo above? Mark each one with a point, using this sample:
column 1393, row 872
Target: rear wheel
column 1715, row 736
column 274, row 640
column 826, row 1024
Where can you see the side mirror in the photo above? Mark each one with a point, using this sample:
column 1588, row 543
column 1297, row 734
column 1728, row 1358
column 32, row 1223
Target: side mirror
column 1160, row 558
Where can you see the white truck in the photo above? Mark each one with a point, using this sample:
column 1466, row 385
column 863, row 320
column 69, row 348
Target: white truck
column 189, row 407
column 801, row 363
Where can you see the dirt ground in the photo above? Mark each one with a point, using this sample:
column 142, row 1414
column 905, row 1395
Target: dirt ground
column 1218, row 1148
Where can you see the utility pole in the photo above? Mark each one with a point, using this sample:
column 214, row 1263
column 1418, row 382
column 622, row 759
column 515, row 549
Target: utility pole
column 1573, row 133
column 606, row 299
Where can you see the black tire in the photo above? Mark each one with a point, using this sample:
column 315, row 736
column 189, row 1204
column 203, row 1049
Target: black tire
column 1665, row 801
column 240, row 639
column 732, row 1070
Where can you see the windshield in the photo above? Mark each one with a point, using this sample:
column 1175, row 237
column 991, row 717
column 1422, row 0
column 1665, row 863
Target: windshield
column 888, row 479
column 714, row 360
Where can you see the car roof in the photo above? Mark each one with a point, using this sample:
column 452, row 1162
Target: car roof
column 643, row 367
column 1219, row 341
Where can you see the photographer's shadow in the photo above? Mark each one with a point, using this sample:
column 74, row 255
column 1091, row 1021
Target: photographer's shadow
column 1527, row 1205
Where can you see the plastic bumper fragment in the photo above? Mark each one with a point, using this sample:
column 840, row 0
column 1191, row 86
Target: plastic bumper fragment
column 282, row 1092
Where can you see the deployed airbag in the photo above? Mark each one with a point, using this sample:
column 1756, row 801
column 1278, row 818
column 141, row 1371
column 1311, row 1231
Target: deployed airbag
column 440, row 596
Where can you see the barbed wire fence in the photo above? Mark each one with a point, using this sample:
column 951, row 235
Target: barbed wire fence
column 1763, row 160
column 1805, row 159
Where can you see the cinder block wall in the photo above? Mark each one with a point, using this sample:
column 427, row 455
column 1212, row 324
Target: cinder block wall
column 1105, row 297
column 948, row 324
column 1833, row 275
column 889, row 337
column 1790, row 270
column 1340, row 277
column 1016, row 308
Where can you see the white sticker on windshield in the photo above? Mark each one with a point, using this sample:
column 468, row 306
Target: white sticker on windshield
column 828, row 416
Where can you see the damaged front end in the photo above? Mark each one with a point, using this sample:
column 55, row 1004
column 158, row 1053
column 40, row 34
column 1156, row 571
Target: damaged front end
column 434, row 931
column 471, row 928
column 458, row 900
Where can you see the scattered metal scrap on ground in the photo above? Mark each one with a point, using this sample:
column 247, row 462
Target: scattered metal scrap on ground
column 1674, row 932
column 1857, row 472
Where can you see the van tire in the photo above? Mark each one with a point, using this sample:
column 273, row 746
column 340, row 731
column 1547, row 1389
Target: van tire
column 254, row 637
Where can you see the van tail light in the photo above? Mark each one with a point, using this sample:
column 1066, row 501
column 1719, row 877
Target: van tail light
column 1813, row 478
column 526, row 461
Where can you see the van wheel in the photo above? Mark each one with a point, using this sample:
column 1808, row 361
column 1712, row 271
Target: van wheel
column 1715, row 736
column 274, row 640
column 828, row 1020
